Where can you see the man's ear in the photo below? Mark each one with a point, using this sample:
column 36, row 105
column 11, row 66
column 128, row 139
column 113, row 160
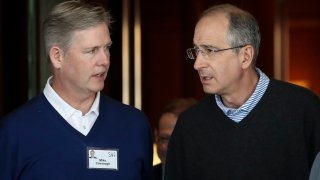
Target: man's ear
column 56, row 56
column 247, row 53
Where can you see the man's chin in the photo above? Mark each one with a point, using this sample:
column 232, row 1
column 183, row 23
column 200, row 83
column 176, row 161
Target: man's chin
column 208, row 90
column 98, row 88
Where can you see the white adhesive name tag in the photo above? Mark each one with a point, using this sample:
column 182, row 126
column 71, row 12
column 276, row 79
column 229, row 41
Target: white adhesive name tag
column 102, row 158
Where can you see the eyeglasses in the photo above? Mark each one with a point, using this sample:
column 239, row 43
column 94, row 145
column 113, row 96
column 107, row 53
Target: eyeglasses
column 206, row 52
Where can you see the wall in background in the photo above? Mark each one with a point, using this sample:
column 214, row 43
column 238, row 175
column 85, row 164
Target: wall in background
column 14, row 55
column 303, row 27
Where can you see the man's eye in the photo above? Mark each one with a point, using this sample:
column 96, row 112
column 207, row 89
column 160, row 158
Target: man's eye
column 107, row 48
column 92, row 51
column 208, row 50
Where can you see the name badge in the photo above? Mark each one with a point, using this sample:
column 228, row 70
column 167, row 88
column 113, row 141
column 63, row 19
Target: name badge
column 106, row 159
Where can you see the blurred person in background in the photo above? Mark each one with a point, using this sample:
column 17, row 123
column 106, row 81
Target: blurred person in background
column 166, row 122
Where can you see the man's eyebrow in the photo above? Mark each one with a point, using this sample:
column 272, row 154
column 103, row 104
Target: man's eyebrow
column 205, row 46
column 109, row 43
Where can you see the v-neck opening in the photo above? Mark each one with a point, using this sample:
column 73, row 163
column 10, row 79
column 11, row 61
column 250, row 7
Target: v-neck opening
column 246, row 120
column 65, row 126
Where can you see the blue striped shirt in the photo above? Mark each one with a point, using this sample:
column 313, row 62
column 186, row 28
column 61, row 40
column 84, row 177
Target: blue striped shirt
column 238, row 114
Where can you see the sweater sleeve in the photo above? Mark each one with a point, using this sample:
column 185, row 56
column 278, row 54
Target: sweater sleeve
column 312, row 127
column 147, row 170
column 174, row 167
column 7, row 158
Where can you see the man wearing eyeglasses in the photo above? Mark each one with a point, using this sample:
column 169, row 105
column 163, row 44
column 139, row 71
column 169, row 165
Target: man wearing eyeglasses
column 250, row 126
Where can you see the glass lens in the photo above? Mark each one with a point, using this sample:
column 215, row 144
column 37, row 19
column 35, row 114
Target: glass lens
column 192, row 53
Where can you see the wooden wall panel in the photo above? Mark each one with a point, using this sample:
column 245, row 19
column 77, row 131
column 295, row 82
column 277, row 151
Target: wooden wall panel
column 304, row 57
column 303, row 28
column 161, row 58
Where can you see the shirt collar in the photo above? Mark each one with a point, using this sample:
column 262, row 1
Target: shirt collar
column 253, row 99
column 62, row 107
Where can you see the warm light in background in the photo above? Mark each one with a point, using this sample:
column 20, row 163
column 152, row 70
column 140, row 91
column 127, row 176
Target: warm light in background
column 156, row 159
column 125, row 53
column 303, row 83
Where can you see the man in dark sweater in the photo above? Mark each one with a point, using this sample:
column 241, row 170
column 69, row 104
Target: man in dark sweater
column 249, row 127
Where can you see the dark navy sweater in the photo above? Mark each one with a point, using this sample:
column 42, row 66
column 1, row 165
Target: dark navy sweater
column 36, row 143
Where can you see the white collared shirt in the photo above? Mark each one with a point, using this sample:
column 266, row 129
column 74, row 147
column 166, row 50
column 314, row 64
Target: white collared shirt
column 82, row 123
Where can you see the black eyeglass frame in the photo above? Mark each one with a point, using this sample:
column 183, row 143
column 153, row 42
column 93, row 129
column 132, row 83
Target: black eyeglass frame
column 197, row 50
